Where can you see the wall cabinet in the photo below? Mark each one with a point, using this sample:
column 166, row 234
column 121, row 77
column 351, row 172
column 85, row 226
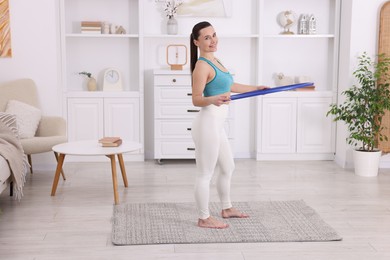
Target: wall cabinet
column 295, row 128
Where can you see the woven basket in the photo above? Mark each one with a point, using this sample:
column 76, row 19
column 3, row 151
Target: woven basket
column 384, row 47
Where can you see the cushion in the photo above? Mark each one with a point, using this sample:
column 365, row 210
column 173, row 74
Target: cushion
column 10, row 121
column 27, row 117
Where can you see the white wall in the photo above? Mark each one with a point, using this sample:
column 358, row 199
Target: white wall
column 35, row 54
column 35, row 50
column 359, row 33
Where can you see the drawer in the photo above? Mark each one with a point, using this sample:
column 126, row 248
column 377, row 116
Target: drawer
column 172, row 80
column 175, row 110
column 180, row 110
column 171, row 94
column 173, row 129
column 182, row 128
column 174, row 149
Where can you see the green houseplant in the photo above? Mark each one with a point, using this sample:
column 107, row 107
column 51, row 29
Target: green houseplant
column 365, row 104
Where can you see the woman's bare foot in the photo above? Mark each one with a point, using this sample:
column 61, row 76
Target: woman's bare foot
column 233, row 213
column 211, row 222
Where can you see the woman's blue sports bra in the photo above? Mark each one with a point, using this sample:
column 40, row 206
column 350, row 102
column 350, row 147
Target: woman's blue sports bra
column 221, row 83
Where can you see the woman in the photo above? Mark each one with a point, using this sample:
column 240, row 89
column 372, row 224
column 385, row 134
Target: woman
column 211, row 88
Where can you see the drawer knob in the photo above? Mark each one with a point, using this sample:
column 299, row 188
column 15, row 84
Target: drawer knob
column 189, row 129
column 189, row 94
column 174, row 80
column 192, row 110
column 190, row 149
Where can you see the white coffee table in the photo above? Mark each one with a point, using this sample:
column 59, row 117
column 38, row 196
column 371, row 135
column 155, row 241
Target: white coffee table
column 92, row 148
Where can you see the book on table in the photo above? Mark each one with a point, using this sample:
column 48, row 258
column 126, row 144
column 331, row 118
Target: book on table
column 110, row 141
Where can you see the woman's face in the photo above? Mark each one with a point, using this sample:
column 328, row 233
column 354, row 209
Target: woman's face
column 207, row 40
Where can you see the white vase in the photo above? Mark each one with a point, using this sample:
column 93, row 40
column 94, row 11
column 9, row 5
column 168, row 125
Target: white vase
column 91, row 84
column 366, row 163
column 172, row 26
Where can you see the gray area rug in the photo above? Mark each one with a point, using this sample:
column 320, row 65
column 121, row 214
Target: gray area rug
column 176, row 223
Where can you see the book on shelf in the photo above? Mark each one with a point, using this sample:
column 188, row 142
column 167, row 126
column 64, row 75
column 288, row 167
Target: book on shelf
column 91, row 27
column 86, row 28
column 91, row 24
column 308, row 88
column 110, row 141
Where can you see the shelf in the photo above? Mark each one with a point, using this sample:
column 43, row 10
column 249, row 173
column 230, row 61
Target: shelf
column 83, row 35
column 299, row 36
column 187, row 36
column 106, row 94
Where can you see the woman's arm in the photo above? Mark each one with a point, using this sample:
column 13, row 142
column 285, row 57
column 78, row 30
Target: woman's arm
column 241, row 88
column 200, row 76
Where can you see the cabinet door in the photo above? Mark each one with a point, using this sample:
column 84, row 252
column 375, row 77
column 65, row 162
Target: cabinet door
column 314, row 129
column 278, row 125
column 121, row 118
column 85, row 118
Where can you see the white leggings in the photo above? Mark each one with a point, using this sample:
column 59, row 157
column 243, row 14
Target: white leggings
column 212, row 149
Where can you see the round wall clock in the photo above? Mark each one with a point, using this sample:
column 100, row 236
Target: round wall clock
column 112, row 80
column 176, row 56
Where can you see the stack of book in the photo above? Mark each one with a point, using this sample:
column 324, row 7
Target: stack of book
column 91, row 27
column 308, row 88
column 110, row 141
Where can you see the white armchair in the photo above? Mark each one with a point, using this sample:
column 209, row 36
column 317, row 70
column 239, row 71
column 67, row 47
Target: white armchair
column 51, row 129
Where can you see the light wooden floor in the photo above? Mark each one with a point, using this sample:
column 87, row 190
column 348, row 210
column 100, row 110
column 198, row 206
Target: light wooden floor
column 75, row 224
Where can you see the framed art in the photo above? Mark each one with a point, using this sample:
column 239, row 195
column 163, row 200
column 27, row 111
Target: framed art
column 206, row 8
column 5, row 30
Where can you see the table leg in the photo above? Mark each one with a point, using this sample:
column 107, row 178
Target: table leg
column 114, row 180
column 62, row 170
column 61, row 159
column 123, row 170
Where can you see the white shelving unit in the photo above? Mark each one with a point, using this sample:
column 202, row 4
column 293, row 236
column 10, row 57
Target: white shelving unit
column 250, row 45
column 293, row 125
column 92, row 115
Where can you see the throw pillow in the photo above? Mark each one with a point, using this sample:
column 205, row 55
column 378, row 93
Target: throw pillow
column 27, row 117
column 10, row 121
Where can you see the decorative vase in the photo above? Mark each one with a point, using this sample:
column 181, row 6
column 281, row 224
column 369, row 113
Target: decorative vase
column 172, row 26
column 366, row 163
column 91, row 84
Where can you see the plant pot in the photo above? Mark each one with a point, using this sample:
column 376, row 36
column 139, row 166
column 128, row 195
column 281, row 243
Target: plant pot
column 91, row 84
column 366, row 163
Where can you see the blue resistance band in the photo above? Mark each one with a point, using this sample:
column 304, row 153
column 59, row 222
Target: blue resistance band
column 270, row 90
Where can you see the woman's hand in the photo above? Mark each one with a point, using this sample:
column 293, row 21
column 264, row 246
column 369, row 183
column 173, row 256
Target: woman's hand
column 220, row 99
column 262, row 87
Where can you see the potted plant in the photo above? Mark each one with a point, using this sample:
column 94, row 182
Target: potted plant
column 91, row 83
column 363, row 109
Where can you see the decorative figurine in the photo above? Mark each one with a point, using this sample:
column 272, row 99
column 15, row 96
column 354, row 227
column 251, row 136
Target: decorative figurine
column 282, row 80
column 312, row 25
column 303, row 25
column 120, row 30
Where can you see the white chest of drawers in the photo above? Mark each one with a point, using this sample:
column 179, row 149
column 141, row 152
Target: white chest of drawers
column 174, row 114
